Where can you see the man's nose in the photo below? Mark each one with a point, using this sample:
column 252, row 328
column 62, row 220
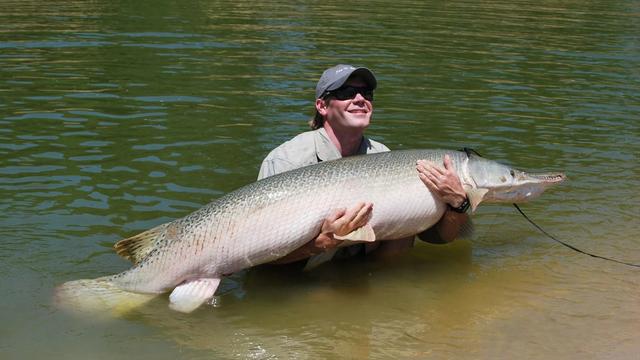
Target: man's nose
column 358, row 98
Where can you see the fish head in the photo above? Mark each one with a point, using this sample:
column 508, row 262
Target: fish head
column 495, row 182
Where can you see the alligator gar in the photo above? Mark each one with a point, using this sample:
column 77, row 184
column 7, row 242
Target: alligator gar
column 270, row 218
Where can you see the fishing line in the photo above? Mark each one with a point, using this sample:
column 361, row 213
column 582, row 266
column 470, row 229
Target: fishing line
column 569, row 245
column 470, row 151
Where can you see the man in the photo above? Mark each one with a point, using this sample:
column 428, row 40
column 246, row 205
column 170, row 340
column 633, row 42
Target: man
column 344, row 105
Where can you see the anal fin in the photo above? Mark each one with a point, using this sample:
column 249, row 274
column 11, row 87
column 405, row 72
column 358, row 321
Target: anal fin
column 364, row 233
column 190, row 295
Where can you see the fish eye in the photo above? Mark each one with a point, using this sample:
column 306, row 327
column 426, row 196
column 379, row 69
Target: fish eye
column 513, row 173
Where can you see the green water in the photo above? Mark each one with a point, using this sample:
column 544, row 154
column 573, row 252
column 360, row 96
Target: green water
column 118, row 116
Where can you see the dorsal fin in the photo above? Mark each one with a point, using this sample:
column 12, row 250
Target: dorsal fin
column 470, row 152
column 137, row 247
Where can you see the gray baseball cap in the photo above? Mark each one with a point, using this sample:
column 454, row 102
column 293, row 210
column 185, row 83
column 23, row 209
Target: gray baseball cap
column 336, row 76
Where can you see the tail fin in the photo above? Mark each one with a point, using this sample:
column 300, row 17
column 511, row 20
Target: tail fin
column 97, row 296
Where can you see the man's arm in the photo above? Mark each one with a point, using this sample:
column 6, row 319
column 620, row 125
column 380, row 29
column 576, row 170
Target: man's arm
column 445, row 184
column 445, row 230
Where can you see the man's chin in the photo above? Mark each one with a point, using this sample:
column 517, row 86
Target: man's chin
column 362, row 120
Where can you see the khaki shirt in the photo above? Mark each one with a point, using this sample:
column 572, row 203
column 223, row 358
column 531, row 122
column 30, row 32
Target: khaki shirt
column 308, row 148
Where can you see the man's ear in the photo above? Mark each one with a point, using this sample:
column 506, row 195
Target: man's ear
column 321, row 106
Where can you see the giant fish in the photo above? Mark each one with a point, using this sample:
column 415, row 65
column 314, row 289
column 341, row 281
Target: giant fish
column 270, row 218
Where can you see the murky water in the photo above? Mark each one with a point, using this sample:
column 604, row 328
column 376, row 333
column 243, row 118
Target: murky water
column 118, row 116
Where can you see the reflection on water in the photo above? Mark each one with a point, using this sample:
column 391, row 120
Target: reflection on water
column 115, row 117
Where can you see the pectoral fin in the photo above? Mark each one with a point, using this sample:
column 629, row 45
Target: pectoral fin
column 190, row 295
column 364, row 233
column 361, row 234
column 475, row 197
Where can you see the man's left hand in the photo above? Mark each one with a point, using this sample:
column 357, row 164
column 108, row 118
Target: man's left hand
column 443, row 182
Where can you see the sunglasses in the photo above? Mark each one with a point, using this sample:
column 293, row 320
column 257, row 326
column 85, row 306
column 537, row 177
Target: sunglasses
column 349, row 92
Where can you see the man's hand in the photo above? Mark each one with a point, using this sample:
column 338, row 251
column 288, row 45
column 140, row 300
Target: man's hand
column 341, row 222
column 443, row 182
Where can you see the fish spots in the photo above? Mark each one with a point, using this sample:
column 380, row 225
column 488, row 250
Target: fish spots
column 172, row 231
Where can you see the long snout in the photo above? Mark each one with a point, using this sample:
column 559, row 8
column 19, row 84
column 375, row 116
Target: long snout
column 547, row 179
column 525, row 187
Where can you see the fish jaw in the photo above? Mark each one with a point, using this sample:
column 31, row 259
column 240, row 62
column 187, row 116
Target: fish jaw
column 524, row 187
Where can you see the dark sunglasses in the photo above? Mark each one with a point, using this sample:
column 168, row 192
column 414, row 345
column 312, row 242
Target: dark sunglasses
column 349, row 92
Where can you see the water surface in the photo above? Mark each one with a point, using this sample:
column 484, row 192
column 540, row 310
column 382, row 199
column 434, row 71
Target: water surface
column 117, row 116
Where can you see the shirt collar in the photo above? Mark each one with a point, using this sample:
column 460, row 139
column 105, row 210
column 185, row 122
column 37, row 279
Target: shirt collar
column 326, row 149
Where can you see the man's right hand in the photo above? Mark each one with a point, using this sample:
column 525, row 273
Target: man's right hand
column 342, row 222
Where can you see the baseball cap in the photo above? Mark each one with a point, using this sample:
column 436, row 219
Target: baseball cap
column 336, row 76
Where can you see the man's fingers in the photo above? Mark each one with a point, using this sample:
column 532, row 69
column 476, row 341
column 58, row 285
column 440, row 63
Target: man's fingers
column 351, row 219
column 430, row 167
column 362, row 216
column 443, row 183
column 352, row 212
column 427, row 181
column 448, row 164
column 336, row 214
column 423, row 168
column 341, row 223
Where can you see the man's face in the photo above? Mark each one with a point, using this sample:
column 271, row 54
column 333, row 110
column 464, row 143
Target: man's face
column 354, row 113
